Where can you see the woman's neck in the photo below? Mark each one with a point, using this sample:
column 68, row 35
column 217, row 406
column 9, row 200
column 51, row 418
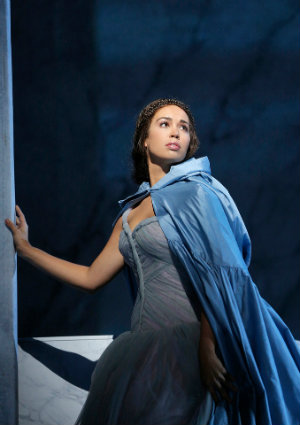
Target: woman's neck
column 157, row 171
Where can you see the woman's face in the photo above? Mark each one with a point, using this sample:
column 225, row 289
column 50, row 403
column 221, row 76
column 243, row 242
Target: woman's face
column 168, row 136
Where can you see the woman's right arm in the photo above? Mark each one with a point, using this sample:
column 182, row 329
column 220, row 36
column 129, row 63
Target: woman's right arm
column 108, row 263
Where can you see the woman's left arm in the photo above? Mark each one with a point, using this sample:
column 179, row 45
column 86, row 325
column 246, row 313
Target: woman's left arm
column 213, row 373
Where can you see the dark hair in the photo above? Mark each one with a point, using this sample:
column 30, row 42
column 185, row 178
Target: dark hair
column 138, row 153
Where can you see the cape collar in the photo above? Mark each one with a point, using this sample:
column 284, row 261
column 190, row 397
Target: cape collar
column 192, row 166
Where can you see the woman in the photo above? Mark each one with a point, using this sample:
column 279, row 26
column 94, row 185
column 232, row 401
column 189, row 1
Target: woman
column 198, row 319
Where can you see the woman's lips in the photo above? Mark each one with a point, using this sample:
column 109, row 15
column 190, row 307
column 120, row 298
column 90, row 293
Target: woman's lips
column 173, row 146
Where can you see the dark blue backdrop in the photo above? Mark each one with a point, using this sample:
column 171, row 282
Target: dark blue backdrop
column 83, row 70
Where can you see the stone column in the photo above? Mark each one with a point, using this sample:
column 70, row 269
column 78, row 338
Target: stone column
column 8, row 263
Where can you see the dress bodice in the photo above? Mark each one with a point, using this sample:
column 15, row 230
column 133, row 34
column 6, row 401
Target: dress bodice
column 161, row 299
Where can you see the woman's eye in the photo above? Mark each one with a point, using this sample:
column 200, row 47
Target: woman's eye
column 185, row 127
column 164, row 124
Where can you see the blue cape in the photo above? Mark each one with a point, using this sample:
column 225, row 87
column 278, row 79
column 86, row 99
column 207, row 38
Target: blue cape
column 207, row 235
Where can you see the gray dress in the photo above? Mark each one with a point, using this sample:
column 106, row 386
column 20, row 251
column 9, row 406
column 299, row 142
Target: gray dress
column 150, row 375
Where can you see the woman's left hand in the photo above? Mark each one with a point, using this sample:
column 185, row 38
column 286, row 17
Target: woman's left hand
column 214, row 375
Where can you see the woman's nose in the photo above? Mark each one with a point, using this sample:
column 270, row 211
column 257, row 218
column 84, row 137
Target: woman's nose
column 175, row 132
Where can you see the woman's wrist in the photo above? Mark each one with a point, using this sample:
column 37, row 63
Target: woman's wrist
column 207, row 337
column 23, row 249
column 207, row 343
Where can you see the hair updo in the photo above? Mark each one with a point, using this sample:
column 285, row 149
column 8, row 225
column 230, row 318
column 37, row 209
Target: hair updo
column 138, row 153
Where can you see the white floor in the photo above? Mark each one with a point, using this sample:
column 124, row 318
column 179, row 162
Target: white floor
column 48, row 394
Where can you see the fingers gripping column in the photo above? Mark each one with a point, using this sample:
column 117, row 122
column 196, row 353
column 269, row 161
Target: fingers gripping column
column 8, row 303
